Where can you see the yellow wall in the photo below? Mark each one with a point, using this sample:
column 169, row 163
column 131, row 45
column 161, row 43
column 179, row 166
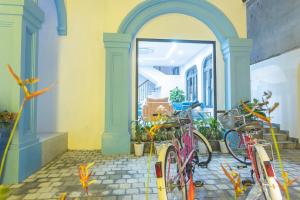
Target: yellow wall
column 81, row 59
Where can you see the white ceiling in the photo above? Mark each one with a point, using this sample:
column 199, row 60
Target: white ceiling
column 153, row 53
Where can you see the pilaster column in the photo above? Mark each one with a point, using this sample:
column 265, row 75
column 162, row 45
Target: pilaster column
column 19, row 24
column 116, row 138
column 236, row 54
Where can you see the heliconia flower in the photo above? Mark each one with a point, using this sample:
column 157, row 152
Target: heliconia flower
column 31, row 81
column 17, row 78
column 235, row 179
column 27, row 96
column 287, row 180
column 84, row 176
column 23, row 84
column 263, row 118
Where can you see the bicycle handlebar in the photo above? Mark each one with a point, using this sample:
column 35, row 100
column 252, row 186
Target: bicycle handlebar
column 195, row 105
column 191, row 107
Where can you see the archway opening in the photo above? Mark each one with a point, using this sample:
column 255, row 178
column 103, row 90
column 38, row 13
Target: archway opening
column 236, row 54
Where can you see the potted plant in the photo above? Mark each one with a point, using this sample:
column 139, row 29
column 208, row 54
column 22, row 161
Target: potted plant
column 176, row 97
column 6, row 122
column 162, row 136
column 138, row 131
column 217, row 132
column 203, row 126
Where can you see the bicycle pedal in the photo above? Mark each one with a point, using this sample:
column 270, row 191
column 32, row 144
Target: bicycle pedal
column 247, row 182
column 241, row 166
column 198, row 183
column 202, row 165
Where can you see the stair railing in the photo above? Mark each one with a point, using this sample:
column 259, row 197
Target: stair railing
column 145, row 89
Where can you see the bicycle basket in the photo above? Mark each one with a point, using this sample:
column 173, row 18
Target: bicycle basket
column 230, row 120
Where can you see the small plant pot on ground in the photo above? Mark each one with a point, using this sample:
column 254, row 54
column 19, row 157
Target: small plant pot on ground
column 139, row 149
column 223, row 147
column 214, row 145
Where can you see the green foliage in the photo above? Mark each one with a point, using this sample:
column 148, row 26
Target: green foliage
column 250, row 105
column 138, row 129
column 210, row 128
column 164, row 134
column 6, row 119
column 176, row 95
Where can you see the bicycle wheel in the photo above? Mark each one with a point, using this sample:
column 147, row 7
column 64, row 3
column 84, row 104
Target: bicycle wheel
column 175, row 188
column 268, row 183
column 203, row 149
column 236, row 146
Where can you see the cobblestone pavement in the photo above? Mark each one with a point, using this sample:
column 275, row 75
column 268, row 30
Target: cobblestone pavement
column 124, row 177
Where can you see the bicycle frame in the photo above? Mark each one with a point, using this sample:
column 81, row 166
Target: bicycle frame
column 250, row 144
column 250, row 153
column 184, row 153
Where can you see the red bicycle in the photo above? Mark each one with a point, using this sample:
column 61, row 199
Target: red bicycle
column 245, row 148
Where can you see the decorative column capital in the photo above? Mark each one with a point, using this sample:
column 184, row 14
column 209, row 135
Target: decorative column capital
column 235, row 45
column 117, row 40
column 25, row 8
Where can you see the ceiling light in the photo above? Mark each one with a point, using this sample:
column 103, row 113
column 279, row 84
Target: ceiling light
column 145, row 50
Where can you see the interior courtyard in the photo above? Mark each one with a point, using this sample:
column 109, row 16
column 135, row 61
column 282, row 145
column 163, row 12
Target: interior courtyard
column 150, row 99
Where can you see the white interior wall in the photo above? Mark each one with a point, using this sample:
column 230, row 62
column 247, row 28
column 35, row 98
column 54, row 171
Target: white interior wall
column 281, row 76
column 198, row 61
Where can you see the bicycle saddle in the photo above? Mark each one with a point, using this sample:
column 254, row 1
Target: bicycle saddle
column 251, row 126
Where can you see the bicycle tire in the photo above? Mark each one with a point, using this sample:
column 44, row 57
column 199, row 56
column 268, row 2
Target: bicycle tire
column 269, row 185
column 229, row 140
column 171, row 185
column 203, row 147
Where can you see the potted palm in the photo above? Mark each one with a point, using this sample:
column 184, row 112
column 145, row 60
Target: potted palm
column 138, row 131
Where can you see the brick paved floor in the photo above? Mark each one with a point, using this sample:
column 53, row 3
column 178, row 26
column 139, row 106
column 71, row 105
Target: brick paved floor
column 124, row 177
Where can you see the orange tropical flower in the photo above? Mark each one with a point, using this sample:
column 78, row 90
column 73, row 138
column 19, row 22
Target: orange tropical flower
column 23, row 84
column 265, row 119
column 27, row 97
column 287, row 180
column 85, row 175
column 235, row 179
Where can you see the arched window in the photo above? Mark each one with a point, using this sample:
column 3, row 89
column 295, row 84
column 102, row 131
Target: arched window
column 192, row 84
column 208, row 86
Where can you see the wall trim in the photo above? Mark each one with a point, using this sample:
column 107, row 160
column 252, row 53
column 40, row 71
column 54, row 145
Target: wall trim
column 199, row 9
column 62, row 23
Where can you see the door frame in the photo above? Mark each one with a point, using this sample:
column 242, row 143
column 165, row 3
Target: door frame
column 211, row 42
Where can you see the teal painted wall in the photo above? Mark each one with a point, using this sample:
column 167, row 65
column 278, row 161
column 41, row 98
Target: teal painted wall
column 19, row 25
